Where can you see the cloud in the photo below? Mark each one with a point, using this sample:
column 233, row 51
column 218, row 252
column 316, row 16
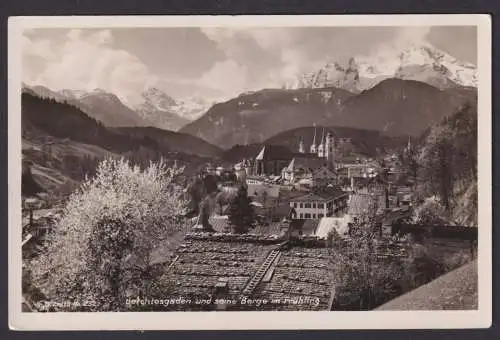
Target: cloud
column 227, row 77
column 212, row 62
column 88, row 61
column 255, row 58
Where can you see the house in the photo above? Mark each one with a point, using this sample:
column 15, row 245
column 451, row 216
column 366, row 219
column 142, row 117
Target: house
column 364, row 203
column 267, row 194
column 301, row 166
column 323, row 176
column 365, row 169
column 271, row 200
column 254, row 180
column 320, row 203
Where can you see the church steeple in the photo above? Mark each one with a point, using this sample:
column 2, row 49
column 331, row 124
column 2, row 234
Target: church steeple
column 321, row 147
column 302, row 149
column 330, row 150
column 313, row 145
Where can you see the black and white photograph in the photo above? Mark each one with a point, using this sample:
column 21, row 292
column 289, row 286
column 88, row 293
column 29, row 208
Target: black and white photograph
column 224, row 166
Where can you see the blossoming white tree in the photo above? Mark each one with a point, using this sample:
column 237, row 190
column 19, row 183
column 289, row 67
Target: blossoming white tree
column 99, row 251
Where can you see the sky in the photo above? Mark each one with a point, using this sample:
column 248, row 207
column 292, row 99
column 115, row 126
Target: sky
column 209, row 62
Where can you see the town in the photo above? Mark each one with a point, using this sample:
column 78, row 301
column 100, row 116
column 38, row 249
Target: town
column 344, row 183
column 299, row 205
column 272, row 227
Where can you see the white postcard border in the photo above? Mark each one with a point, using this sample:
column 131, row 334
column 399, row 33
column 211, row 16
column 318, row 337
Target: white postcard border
column 480, row 318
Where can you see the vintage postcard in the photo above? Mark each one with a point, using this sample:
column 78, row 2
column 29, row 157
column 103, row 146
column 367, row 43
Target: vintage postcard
column 250, row 172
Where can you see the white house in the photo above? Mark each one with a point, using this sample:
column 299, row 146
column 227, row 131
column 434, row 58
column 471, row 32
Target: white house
column 319, row 204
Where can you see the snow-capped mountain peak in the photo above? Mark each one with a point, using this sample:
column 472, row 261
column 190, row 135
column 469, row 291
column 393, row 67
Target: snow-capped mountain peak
column 157, row 99
column 421, row 62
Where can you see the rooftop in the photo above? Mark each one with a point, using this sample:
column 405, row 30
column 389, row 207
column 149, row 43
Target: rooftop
column 323, row 195
column 258, row 189
column 290, row 277
column 273, row 152
column 306, row 161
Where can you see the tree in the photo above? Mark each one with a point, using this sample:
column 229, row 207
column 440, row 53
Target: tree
column 430, row 212
column 437, row 163
column 241, row 213
column 100, row 250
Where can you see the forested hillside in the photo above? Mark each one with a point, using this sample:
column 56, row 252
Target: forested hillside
column 448, row 165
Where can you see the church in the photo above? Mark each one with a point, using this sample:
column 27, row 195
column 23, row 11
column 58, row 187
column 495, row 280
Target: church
column 290, row 166
column 320, row 155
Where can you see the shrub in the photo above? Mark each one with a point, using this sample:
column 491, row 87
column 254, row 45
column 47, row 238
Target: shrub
column 106, row 233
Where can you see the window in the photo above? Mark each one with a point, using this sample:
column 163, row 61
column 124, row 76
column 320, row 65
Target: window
column 321, row 205
column 301, row 205
column 295, row 205
column 320, row 215
column 314, row 215
column 314, row 205
column 300, row 215
column 307, row 215
column 308, row 205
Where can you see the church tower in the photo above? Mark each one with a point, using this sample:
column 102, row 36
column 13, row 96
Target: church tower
column 313, row 145
column 409, row 146
column 321, row 147
column 330, row 150
column 302, row 149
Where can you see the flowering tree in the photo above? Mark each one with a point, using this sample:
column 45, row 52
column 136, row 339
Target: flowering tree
column 100, row 249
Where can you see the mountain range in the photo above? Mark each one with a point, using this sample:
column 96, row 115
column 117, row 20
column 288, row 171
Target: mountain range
column 421, row 62
column 396, row 93
column 62, row 142
column 395, row 107
column 156, row 109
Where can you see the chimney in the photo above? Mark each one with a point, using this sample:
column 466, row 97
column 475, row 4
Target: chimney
column 221, row 293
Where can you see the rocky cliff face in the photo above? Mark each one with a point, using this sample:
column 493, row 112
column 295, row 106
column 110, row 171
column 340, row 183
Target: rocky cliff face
column 417, row 62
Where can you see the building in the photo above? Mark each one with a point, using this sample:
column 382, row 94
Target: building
column 301, row 166
column 326, row 149
column 271, row 160
column 292, row 276
column 256, row 180
column 323, row 176
column 267, row 194
column 320, row 203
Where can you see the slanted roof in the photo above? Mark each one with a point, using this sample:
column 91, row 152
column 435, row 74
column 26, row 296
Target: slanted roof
column 274, row 152
column 326, row 224
column 272, row 191
column 323, row 195
column 307, row 162
column 456, row 290
column 302, row 275
column 204, row 260
column 360, row 203
column 323, row 169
